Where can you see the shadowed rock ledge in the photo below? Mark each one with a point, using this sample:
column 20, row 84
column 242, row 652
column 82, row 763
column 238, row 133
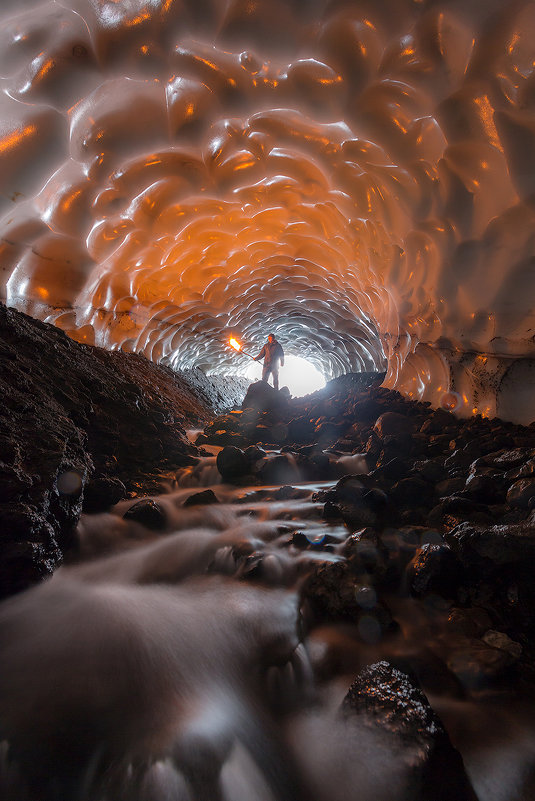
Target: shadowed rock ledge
column 81, row 427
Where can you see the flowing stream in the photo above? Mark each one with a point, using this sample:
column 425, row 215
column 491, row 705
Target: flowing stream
column 182, row 664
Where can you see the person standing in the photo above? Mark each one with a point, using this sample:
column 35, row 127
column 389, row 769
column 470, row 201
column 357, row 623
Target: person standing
column 273, row 356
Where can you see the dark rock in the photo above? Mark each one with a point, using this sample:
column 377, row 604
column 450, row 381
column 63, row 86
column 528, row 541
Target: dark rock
column 350, row 489
column 222, row 437
column 215, row 392
column 402, row 444
column 437, row 422
column 300, row 429
column 30, row 551
column 499, row 562
column 394, row 469
column 263, row 397
column 377, row 555
column 493, row 545
column 460, row 459
column 472, row 622
column 488, row 488
column 412, row 491
column 478, row 665
column 281, row 469
column 232, row 463
column 430, row 470
column 367, row 410
column 148, row 513
column 436, row 569
column 525, row 470
column 287, row 493
column 388, row 701
column 374, row 445
column 201, row 498
column 450, row 486
column 69, row 411
column 328, row 432
column 521, row 492
column 509, row 459
column 334, row 592
column 100, row 494
column 253, row 454
column 454, row 510
column 355, row 516
column 393, row 423
column 501, row 641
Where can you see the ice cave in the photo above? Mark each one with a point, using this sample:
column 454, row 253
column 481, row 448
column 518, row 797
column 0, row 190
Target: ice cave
column 358, row 177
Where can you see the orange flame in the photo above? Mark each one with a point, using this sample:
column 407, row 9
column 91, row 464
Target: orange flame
column 234, row 343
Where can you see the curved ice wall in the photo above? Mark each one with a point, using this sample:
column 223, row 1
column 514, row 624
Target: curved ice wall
column 357, row 176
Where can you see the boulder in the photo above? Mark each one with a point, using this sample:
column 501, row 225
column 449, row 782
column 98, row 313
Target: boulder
column 265, row 398
column 334, row 592
column 521, row 493
column 232, row 463
column 100, row 494
column 436, row 569
column 388, row 701
column 148, row 513
column 204, row 498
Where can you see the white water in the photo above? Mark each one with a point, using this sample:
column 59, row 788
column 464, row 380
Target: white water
column 160, row 667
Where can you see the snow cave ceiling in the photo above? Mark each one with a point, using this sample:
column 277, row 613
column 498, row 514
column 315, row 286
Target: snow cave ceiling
column 358, row 177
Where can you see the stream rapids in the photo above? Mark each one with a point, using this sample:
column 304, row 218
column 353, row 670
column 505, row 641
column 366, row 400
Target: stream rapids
column 184, row 665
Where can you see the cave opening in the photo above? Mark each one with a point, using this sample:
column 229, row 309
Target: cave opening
column 299, row 375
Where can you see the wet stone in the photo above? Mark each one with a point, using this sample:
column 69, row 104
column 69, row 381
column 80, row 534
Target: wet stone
column 493, row 546
column 201, row 498
column 148, row 513
column 452, row 511
column 388, row 700
column 436, row 569
column 487, row 487
column 232, row 463
column 521, row 493
column 334, row 591
column 429, row 470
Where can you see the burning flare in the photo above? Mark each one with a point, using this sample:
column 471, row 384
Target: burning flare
column 234, row 344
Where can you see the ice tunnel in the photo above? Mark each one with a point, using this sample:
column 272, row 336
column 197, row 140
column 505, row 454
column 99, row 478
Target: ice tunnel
column 358, row 177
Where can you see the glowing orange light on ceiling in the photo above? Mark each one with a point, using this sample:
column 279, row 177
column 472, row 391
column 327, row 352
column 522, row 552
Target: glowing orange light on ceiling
column 15, row 138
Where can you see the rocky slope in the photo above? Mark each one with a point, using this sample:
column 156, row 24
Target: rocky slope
column 81, row 427
column 442, row 506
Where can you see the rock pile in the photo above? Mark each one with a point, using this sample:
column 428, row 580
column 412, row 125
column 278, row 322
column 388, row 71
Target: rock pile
column 437, row 507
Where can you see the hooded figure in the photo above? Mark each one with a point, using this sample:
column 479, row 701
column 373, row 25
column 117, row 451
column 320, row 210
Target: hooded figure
column 273, row 355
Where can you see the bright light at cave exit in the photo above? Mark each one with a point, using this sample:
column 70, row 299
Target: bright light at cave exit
column 298, row 375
